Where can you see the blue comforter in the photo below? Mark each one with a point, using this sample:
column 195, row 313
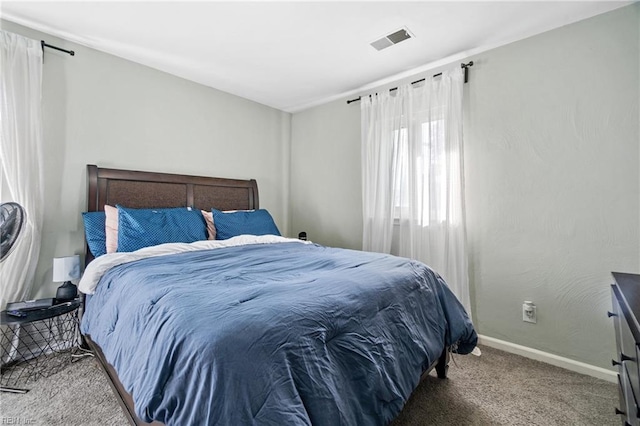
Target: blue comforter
column 277, row 334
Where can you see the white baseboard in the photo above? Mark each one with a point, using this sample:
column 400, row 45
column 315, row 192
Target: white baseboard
column 558, row 361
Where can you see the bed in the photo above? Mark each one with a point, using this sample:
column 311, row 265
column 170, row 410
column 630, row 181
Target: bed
column 259, row 329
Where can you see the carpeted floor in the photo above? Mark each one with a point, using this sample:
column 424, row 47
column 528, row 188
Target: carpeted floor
column 495, row 389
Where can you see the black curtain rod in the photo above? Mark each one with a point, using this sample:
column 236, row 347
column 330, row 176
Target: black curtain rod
column 466, row 79
column 43, row 44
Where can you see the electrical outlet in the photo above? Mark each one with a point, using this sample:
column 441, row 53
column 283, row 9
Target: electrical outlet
column 529, row 313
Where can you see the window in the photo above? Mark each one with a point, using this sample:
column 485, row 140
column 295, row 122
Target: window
column 423, row 170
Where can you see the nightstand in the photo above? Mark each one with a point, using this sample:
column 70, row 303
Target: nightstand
column 38, row 344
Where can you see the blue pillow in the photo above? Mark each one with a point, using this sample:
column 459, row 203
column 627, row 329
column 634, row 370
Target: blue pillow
column 138, row 228
column 253, row 222
column 94, row 232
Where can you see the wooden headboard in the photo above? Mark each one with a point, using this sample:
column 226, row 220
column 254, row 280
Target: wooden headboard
column 138, row 189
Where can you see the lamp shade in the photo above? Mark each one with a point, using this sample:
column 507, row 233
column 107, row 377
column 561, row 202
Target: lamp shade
column 66, row 268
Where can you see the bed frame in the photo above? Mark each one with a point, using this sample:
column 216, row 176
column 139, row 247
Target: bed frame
column 138, row 189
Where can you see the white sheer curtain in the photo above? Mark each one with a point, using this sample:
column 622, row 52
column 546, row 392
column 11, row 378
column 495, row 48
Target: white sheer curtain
column 413, row 181
column 381, row 116
column 21, row 157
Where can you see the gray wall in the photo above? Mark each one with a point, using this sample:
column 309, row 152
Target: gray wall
column 325, row 175
column 552, row 182
column 104, row 110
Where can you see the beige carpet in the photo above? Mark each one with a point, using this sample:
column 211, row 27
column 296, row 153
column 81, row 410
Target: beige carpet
column 499, row 388
column 495, row 389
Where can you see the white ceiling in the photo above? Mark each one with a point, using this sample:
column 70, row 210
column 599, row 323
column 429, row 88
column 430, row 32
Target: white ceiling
column 294, row 55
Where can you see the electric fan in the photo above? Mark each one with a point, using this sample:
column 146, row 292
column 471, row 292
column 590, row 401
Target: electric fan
column 12, row 218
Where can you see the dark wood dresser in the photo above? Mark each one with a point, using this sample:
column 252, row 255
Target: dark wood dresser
column 626, row 312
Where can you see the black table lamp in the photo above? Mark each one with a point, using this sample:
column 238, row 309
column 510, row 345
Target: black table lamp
column 66, row 269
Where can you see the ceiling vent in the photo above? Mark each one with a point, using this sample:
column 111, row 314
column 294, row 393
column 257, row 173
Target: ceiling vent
column 394, row 38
